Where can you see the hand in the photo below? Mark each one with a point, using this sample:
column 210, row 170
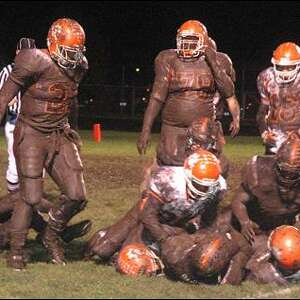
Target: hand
column 12, row 102
column 210, row 54
column 143, row 142
column 248, row 230
column 234, row 128
column 269, row 137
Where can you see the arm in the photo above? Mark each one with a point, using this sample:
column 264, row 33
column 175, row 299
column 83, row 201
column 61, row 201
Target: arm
column 234, row 108
column 8, row 92
column 26, row 62
column 73, row 117
column 260, row 267
column 151, row 222
column 239, row 209
column 264, row 105
column 157, row 98
column 224, row 82
column 261, row 117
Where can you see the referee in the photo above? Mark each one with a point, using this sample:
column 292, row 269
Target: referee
column 11, row 118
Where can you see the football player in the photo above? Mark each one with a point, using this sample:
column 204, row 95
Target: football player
column 43, row 138
column 186, row 82
column 279, row 86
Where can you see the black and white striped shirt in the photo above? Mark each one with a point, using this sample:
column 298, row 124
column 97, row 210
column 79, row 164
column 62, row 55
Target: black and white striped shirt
column 13, row 110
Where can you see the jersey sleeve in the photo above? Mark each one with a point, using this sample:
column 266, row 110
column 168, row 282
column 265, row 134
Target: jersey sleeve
column 162, row 77
column 262, row 88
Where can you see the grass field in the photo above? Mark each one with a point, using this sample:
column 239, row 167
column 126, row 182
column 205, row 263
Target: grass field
column 113, row 173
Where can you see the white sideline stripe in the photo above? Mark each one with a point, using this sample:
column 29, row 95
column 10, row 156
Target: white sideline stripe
column 283, row 292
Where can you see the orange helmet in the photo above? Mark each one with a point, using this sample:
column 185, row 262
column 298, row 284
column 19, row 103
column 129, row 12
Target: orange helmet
column 202, row 171
column 284, row 244
column 136, row 259
column 192, row 38
column 214, row 253
column 65, row 41
column 286, row 62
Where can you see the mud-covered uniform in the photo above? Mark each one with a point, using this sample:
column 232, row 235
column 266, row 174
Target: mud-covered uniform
column 279, row 109
column 163, row 211
column 186, row 91
column 179, row 253
column 264, row 203
column 43, row 139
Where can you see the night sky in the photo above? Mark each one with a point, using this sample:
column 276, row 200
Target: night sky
column 132, row 33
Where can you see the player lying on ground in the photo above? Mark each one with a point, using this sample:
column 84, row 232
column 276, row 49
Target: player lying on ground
column 175, row 196
column 277, row 257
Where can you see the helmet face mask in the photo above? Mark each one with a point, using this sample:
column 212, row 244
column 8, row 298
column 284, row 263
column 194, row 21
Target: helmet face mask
column 70, row 57
column 202, row 175
column 286, row 73
column 190, row 46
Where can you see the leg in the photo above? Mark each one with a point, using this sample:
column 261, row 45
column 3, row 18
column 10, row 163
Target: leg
column 30, row 155
column 105, row 242
column 11, row 173
column 67, row 172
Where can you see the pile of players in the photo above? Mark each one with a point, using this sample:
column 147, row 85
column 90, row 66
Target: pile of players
column 177, row 227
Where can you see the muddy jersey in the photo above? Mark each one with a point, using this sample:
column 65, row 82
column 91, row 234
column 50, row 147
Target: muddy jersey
column 169, row 184
column 283, row 101
column 265, row 206
column 48, row 89
column 187, row 88
column 180, row 261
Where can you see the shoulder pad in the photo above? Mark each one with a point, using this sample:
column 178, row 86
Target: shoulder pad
column 167, row 182
column 265, row 75
column 226, row 63
column 165, row 55
column 32, row 59
column 257, row 170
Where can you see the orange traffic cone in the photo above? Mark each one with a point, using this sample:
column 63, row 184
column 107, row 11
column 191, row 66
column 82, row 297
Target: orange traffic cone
column 97, row 133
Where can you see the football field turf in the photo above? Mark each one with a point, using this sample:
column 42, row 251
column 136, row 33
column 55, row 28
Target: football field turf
column 113, row 171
